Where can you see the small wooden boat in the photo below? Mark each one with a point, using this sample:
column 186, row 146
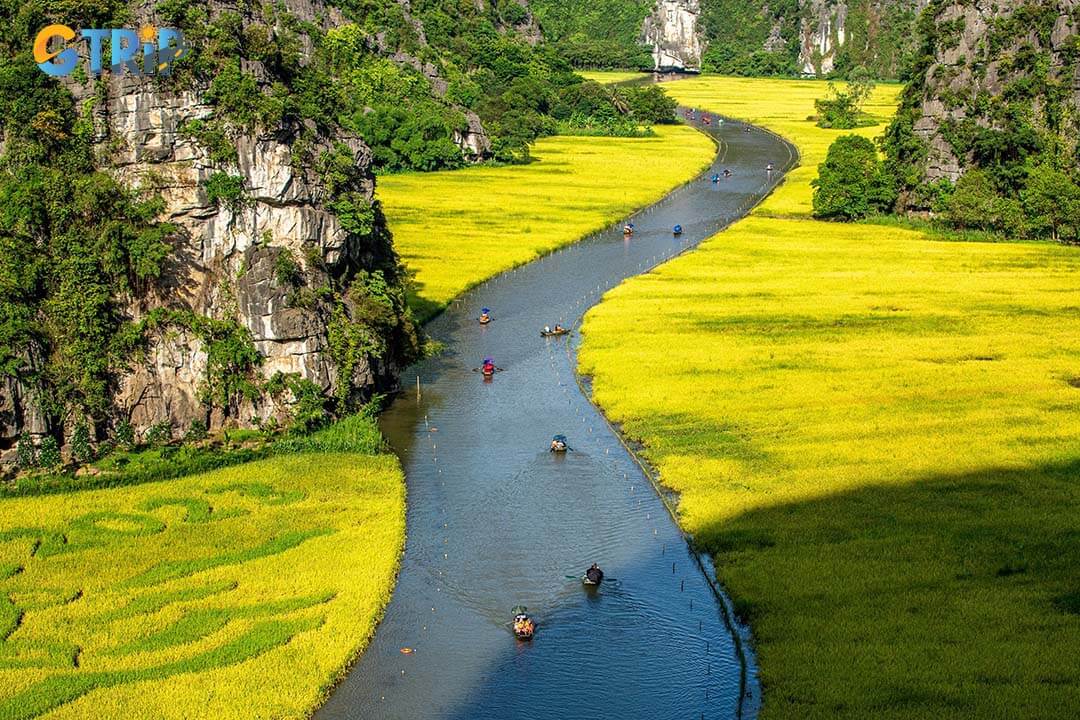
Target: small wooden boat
column 559, row 444
column 554, row 333
column 593, row 576
column 485, row 316
column 677, row 230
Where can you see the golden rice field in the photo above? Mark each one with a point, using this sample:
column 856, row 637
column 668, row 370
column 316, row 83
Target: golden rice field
column 609, row 77
column 877, row 436
column 457, row 228
column 238, row 593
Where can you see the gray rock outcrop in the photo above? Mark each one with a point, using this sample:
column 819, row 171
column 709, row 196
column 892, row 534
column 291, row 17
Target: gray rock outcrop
column 224, row 257
column 672, row 31
column 972, row 79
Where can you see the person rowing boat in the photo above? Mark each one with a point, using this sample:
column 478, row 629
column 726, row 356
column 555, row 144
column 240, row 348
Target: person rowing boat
column 593, row 576
column 488, row 368
column 558, row 330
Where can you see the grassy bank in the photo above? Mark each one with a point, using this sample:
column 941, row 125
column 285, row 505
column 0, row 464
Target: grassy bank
column 876, row 435
column 456, row 229
column 241, row 592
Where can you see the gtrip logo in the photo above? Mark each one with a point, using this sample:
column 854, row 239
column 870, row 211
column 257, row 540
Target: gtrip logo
column 148, row 51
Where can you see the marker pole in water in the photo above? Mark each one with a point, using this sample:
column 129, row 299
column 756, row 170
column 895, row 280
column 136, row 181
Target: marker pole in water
column 417, row 387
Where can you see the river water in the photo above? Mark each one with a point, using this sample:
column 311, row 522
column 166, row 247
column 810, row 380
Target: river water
column 496, row 521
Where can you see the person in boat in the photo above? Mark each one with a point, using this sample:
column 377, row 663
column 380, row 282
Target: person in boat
column 488, row 368
column 677, row 229
column 559, row 328
column 628, row 229
column 715, row 178
column 558, row 444
column 524, row 627
column 769, row 168
column 547, row 329
column 727, row 173
column 485, row 315
column 594, row 574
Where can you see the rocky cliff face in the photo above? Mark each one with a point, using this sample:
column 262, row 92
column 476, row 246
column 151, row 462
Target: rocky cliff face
column 269, row 284
column 811, row 37
column 873, row 33
column 223, row 265
column 672, row 31
column 998, row 82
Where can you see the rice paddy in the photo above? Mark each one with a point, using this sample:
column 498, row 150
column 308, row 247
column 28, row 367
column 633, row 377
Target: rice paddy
column 875, row 434
column 787, row 108
column 609, row 77
column 456, row 229
column 237, row 593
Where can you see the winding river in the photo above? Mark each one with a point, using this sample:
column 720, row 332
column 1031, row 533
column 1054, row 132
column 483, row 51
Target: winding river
column 495, row 520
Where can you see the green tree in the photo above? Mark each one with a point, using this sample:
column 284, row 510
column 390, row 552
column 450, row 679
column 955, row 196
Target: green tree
column 1051, row 201
column 850, row 183
column 842, row 109
column 651, row 105
column 973, row 203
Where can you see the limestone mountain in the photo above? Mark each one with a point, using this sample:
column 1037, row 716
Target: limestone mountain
column 779, row 37
column 206, row 250
column 809, row 37
column 996, row 89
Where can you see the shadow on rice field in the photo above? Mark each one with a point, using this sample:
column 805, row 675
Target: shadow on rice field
column 951, row 596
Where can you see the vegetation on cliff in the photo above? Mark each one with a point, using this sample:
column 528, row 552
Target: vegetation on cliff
column 74, row 238
column 998, row 149
column 596, row 33
column 429, row 86
column 84, row 252
column 754, row 39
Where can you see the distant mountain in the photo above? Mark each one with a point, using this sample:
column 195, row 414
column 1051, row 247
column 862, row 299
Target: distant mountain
column 809, row 37
column 762, row 37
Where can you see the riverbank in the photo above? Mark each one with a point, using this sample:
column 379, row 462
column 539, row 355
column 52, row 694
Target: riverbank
column 458, row 228
column 875, row 434
column 243, row 592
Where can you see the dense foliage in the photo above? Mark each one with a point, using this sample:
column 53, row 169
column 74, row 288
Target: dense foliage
column 1010, row 124
column 73, row 239
column 601, row 34
column 414, row 81
column 851, row 183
